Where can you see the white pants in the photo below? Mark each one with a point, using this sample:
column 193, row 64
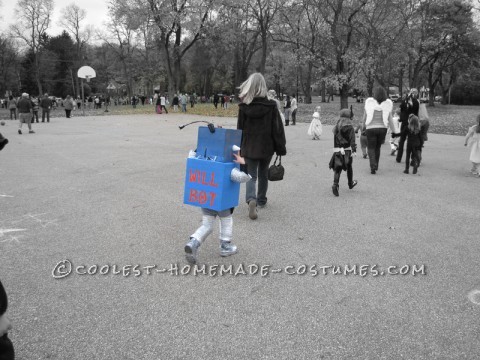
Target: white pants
column 208, row 219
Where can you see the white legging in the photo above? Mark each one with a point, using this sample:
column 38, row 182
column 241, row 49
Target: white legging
column 226, row 228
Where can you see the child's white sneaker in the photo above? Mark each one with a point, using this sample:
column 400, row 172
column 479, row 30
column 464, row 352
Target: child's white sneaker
column 191, row 250
column 227, row 249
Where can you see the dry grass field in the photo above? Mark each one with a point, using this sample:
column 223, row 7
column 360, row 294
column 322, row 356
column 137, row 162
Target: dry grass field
column 444, row 119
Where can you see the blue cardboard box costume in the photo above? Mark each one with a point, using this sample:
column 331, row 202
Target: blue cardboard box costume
column 208, row 181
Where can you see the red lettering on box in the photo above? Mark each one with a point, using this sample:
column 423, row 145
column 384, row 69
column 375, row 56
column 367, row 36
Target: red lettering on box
column 193, row 176
column 212, row 198
column 202, row 199
column 193, row 195
column 212, row 180
column 200, row 177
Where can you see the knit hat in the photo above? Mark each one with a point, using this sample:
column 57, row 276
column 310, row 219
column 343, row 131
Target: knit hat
column 345, row 113
column 24, row 95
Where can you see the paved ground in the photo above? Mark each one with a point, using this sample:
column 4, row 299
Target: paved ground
column 108, row 191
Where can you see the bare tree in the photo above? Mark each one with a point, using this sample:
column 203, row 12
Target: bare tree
column 236, row 31
column 341, row 18
column 71, row 18
column 33, row 21
column 120, row 40
column 9, row 62
column 302, row 28
column 181, row 24
column 264, row 12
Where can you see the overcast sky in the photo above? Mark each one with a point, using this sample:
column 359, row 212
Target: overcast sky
column 96, row 13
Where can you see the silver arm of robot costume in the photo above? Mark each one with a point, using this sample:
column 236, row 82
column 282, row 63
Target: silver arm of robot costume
column 236, row 175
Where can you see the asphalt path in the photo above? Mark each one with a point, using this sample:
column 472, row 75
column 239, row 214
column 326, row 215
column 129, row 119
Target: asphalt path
column 108, row 191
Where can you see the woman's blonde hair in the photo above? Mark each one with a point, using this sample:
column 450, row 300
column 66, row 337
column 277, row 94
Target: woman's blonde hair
column 413, row 124
column 254, row 86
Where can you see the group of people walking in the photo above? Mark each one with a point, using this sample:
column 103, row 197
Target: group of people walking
column 377, row 120
column 27, row 104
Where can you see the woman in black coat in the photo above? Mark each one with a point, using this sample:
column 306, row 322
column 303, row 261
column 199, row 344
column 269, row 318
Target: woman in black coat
column 262, row 136
column 6, row 347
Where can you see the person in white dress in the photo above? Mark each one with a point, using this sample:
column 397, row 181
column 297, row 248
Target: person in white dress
column 473, row 137
column 315, row 129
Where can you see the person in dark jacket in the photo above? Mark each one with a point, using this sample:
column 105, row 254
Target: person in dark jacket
column 414, row 137
column 262, row 136
column 46, row 105
column 409, row 105
column 287, row 105
column 6, row 347
column 344, row 148
column 25, row 107
column 175, row 102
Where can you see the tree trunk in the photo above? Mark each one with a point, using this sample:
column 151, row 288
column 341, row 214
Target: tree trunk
column 324, row 86
column 400, row 81
column 344, row 96
column 370, row 83
column 37, row 73
column 263, row 59
column 431, row 88
column 307, row 84
column 344, row 88
column 323, row 91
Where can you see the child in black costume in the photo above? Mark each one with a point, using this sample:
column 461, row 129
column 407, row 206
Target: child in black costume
column 6, row 346
column 414, row 143
column 344, row 149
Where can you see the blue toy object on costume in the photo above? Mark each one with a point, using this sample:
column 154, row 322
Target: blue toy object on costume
column 218, row 145
column 208, row 182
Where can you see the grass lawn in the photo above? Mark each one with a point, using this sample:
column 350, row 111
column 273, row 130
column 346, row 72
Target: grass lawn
column 444, row 119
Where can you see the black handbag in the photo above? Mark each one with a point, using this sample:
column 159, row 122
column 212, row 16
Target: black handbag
column 276, row 172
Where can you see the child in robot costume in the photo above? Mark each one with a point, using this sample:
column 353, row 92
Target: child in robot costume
column 226, row 219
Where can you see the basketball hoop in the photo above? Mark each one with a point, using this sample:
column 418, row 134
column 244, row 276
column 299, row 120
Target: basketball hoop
column 85, row 72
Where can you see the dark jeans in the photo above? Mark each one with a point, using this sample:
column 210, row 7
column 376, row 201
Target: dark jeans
column 336, row 176
column 257, row 168
column 294, row 116
column 375, row 139
column 35, row 116
column 67, row 113
column 401, row 143
column 413, row 151
column 164, row 108
column 45, row 112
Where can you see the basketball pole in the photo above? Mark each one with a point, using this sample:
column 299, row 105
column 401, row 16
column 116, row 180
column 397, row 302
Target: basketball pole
column 83, row 99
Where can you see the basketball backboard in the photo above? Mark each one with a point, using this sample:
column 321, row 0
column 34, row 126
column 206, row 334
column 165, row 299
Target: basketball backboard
column 86, row 72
